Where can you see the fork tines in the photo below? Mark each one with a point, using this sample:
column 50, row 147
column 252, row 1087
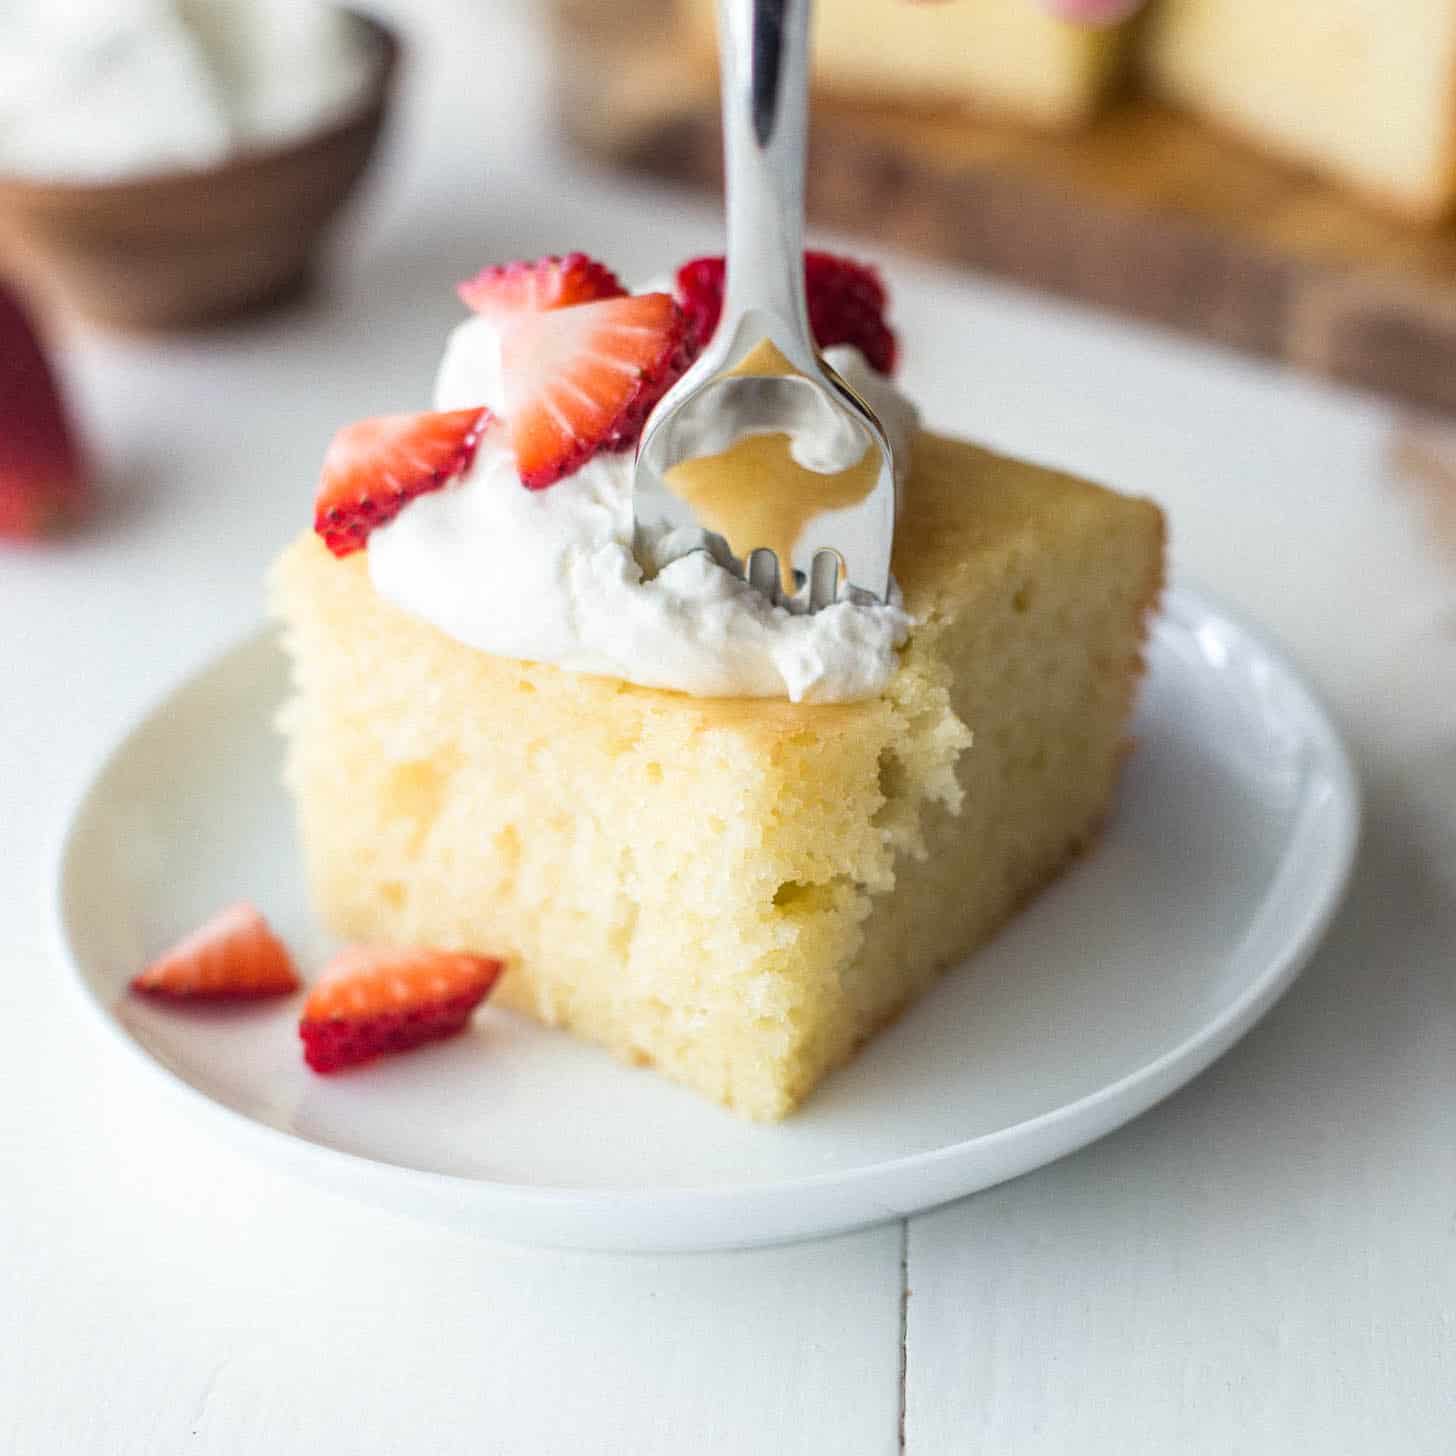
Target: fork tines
column 826, row 571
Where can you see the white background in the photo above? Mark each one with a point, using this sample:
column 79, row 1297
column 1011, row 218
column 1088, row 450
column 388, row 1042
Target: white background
column 1265, row 1264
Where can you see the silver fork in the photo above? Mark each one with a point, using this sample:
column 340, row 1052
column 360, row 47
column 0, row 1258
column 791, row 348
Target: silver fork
column 843, row 547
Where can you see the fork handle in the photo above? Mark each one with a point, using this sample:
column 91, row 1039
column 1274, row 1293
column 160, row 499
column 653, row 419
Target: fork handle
column 765, row 63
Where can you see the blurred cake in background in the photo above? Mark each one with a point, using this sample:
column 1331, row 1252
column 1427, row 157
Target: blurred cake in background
column 1365, row 93
column 1276, row 175
column 1353, row 91
column 1008, row 58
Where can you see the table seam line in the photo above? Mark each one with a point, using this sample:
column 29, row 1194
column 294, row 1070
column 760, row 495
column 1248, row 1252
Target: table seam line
column 904, row 1331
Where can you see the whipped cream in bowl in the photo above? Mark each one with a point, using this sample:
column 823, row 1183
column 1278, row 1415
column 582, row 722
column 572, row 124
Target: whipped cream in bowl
column 558, row 576
column 100, row 90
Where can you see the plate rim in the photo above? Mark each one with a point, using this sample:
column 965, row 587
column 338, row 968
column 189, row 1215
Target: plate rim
column 1086, row 1118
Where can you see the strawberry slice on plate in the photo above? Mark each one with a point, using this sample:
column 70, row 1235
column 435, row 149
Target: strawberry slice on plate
column 539, row 286
column 235, row 956
column 372, row 1001
column 374, row 468
column 581, row 380
column 846, row 300
column 42, row 475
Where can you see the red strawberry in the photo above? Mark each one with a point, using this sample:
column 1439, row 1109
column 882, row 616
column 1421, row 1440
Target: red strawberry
column 580, row 380
column 700, row 283
column 547, row 283
column 373, row 469
column 42, row 476
column 234, row 957
column 846, row 304
column 375, row 1000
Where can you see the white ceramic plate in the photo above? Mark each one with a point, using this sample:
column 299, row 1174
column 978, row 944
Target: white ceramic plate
column 1227, row 854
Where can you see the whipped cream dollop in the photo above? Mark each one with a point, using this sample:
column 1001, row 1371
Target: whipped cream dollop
column 551, row 575
column 92, row 90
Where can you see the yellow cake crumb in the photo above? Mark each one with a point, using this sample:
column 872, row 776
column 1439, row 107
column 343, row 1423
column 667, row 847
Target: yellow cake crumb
column 736, row 892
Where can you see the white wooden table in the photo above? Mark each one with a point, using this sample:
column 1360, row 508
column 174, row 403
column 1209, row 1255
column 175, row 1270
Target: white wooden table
column 1265, row 1264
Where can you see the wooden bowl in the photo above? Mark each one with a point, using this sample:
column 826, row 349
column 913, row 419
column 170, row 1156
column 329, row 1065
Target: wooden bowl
column 181, row 248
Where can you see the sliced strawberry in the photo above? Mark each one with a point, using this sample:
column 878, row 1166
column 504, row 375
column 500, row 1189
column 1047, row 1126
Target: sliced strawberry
column 371, row 1001
column 537, row 287
column 42, row 475
column 581, row 380
column 846, row 304
column 234, row 957
column 373, row 469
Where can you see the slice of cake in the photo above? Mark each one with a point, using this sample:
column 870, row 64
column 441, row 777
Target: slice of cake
column 738, row 890
column 1008, row 58
column 1362, row 92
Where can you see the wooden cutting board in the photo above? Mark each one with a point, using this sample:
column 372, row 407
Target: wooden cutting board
column 1148, row 212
